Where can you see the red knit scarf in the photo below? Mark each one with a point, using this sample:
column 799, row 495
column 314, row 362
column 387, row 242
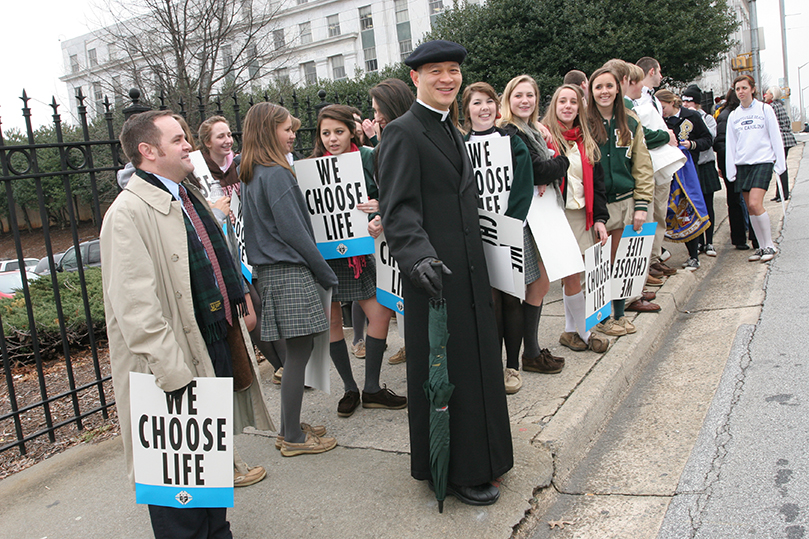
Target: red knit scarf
column 574, row 134
column 356, row 263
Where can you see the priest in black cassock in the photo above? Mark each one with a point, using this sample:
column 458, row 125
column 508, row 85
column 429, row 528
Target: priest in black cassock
column 429, row 206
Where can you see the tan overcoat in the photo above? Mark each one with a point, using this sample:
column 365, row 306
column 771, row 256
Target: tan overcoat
column 149, row 309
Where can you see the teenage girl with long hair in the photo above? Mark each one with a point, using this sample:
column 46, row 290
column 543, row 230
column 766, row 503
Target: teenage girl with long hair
column 754, row 149
column 481, row 105
column 628, row 172
column 280, row 245
column 356, row 277
column 520, row 113
column 585, row 201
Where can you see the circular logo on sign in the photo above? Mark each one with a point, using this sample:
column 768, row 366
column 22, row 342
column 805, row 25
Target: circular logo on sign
column 342, row 249
column 400, row 306
column 183, row 497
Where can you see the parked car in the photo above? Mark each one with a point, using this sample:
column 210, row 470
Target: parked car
column 42, row 266
column 90, row 256
column 11, row 282
column 14, row 264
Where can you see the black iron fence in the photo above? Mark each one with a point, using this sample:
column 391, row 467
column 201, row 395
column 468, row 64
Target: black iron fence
column 54, row 179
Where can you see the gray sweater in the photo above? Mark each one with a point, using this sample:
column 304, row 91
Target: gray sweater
column 277, row 227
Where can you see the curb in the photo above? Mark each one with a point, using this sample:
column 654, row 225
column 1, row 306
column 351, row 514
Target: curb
column 573, row 429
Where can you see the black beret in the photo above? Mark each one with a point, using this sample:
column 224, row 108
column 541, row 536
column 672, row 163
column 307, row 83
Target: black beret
column 692, row 93
column 436, row 51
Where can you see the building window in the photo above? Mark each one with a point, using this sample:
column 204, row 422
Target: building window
column 366, row 20
column 281, row 75
column 278, row 39
column 309, row 72
column 74, row 63
column 92, row 57
column 98, row 97
column 253, row 68
column 400, row 7
column 338, row 67
column 370, row 59
column 306, row 32
column 405, row 48
column 112, row 52
column 333, row 22
column 436, row 9
column 302, row 2
column 227, row 63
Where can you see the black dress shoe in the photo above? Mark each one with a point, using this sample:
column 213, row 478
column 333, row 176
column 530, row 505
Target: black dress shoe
column 485, row 494
column 742, row 247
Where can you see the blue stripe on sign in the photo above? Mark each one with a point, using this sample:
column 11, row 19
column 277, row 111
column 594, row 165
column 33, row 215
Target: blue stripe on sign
column 389, row 300
column 599, row 316
column 246, row 273
column 648, row 229
column 347, row 248
column 167, row 496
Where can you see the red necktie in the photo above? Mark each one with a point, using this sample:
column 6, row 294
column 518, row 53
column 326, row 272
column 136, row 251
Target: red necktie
column 206, row 242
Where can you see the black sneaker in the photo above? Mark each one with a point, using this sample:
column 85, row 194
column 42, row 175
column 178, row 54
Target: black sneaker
column 348, row 404
column 384, row 398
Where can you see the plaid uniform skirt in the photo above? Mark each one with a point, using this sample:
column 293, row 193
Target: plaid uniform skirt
column 750, row 176
column 708, row 178
column 290, row 305
column 349, row 288
column 531, row 256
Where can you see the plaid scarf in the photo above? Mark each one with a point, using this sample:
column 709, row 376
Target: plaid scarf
column 208, row 303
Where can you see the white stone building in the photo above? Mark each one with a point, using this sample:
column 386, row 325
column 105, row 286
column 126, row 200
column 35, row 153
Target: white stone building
column 721, row 77
column 320, row 39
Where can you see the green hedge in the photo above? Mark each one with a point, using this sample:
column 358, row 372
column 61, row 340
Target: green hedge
column 15, row 315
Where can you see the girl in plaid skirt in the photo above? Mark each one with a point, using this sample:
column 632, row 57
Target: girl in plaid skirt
column 280, row 245
column 336, row 134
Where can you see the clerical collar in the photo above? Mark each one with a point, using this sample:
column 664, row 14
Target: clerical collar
column 443, row 113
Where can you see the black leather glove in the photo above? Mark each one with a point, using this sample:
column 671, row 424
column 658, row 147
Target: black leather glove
column 427, row 274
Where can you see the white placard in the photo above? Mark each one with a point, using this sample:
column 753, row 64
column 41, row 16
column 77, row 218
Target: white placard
column 504, row 247
column 597, row 283
column 388, row 277
column 555, row 240
column 491, row 161
column 208, row 185
column 319, row 365
column 666, row 160
column 332, row 187
column 632, row 261
column 238, row 227
column 182, row 447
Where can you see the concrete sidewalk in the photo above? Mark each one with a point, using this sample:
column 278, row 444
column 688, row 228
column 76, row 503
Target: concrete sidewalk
column 363, row 488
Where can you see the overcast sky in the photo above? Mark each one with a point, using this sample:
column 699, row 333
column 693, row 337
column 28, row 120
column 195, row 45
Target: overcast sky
column 32, row 59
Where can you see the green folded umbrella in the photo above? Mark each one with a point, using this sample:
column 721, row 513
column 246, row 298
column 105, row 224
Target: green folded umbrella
column 439, row 390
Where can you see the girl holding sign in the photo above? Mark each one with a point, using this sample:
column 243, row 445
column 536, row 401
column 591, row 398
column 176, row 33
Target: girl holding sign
column 280, row 245
column 520, row 119
column 216, row 142
column 754, row 147
column 481, row 107
column 585, row 204
column 628, row 172
column 357, row 278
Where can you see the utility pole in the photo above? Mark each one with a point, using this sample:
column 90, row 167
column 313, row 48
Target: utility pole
column 754, row 45
column 784, row 54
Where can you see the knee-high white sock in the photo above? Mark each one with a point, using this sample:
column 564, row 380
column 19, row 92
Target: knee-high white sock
column 577, row 310
column 570, row 317
column 761, row 225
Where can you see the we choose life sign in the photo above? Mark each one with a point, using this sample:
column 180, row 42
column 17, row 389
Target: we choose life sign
column 182, row 445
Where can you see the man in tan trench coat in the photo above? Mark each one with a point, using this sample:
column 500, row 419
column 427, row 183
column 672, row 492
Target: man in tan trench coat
column 149, row 296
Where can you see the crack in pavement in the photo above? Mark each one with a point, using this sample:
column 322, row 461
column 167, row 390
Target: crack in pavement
column 722, row 439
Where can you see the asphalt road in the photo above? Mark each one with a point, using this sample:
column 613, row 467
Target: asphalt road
column 711, row 441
